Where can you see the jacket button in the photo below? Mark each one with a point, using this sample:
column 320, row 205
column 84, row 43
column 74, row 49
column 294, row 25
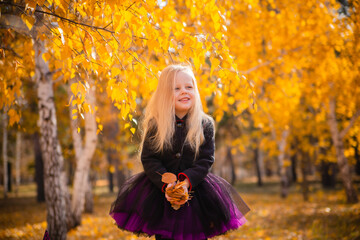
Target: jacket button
column 179, row 124
column 178, row 155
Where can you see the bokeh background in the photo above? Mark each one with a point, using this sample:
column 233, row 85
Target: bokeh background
column 280, row 78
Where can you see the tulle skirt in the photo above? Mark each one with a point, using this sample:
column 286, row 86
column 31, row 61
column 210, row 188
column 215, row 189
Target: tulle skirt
column 215, row 208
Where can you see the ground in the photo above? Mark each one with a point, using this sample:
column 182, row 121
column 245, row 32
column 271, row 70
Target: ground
column 325, row 216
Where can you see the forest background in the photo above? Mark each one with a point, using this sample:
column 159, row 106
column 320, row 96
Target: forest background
column 280, row 78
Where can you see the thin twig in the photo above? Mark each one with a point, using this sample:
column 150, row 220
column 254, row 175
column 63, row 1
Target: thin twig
column 141, row 63
column 10, row 50
column 62, row 18
column 351, row 123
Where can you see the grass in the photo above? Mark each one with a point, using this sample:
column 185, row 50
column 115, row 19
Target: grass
column 325, row 216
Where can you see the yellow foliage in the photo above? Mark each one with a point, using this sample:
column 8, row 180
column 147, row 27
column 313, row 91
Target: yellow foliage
column 246, row 55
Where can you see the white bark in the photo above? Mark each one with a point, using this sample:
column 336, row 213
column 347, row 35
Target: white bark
column 281, row 146
column 18, row 160
column 84, row 154
column 89, row 199
column 342, row 161
column 283, row 177
column 261, row 162
column 4, row 152
column 56, row 194
column 8, row 21
column 53, row 160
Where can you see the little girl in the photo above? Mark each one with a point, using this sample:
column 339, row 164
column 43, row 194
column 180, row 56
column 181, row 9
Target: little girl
column 178, row 138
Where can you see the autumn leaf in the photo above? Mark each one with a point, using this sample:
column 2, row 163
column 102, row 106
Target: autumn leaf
column 168, row 177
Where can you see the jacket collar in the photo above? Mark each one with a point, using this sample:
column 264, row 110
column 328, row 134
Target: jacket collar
column 181, row 119
column 180, row 122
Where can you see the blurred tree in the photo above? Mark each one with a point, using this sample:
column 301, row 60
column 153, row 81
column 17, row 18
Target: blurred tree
column 39, row 169
column 18, row 160
column 5, row 153
column 288, row 53
column 84, row 150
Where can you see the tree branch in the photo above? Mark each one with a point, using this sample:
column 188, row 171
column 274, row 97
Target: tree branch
column 269, row 61
column 141, row 63
column 62, row 18
column 271, row 123
column 10, row 50
column 351, row 123
column 8, row 21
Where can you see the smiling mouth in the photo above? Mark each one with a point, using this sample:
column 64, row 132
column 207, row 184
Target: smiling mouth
column 184, row 99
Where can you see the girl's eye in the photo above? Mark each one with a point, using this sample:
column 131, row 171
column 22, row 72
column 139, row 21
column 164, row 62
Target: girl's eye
column 177, row 88
column 189, row 87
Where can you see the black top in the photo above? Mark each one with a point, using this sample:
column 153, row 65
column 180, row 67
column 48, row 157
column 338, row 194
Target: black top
column 178, row 161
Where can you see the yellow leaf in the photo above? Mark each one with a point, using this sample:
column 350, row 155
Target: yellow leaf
column 125, row 109
column 132, row 130
column 133, row 94
column 70, row 101
column 74, row 88
column 29, row 21
column 197, row 63
column 217, row 26
column 100, row 126
column 79, row 59
column 127, row 125
column 14, row 117
column 119, row 21
column 214, row 64
column 74, row 111
column 115, row 71
column 11, row 113
column 87, row 107
column 231, row 100
column 74, row 117
column 78, row 129
column 46, row 56
column 97, row 119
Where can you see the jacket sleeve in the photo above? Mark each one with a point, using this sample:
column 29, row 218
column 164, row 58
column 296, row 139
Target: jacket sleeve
column 152, row 163
column 200, row 168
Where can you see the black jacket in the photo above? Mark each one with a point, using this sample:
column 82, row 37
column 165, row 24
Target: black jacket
column 171, row 160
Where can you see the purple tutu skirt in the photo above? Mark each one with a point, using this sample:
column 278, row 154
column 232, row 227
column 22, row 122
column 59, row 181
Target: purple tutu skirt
column 214, row 209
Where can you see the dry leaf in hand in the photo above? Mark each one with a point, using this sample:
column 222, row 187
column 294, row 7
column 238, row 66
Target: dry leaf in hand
column 168, row 178
column 177, row 194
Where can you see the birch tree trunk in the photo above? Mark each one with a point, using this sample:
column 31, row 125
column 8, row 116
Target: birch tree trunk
column 89, row 198
column 259, row 165
column 283, row 169
column 17, row 160
column 50, row 148
column 39, row 168
column 342, row 161
column 304, row 163
column 230, row 160
column 284, row 180
column 83, row 155
column 4, row 152
column 54, row 173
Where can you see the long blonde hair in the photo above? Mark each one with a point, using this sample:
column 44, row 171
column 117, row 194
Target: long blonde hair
column 160, row 113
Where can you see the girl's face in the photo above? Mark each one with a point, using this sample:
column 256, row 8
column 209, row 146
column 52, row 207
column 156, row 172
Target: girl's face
column 184, row 94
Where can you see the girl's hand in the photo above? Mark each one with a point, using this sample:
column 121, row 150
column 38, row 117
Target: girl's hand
column 183, row 201
column 187, row 183
column 185, row 187
column 169, row 186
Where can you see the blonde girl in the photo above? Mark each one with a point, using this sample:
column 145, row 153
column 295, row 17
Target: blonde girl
column 178, row 137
